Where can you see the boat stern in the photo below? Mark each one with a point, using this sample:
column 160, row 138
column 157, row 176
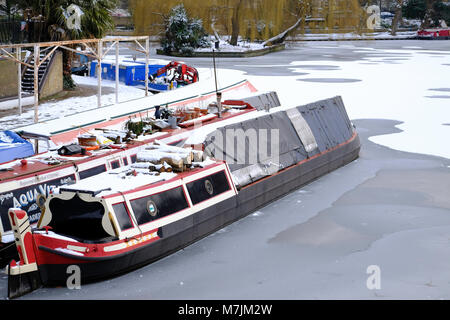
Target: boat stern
column 23, row 276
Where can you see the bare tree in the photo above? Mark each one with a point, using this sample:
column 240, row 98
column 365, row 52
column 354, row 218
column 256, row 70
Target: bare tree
column 213, row 28
column 300, row 9
column 282, row 36
column 301, row 12
column 235, row 27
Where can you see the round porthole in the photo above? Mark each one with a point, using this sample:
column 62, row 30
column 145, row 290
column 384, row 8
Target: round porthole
column 209, row 187
column 151, row 208
column 40, row 201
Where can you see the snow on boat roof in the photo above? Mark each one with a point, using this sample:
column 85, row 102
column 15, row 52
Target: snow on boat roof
column 98, row 115
column 120, row 180
column 131, row 63
column 40, row 162
column 117, row 180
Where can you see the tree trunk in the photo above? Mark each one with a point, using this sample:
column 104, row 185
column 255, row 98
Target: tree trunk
column 428, row 18
column 235, row 28
column 216, row 35
column 397, row 16
column 67, row 69
column 282, row 36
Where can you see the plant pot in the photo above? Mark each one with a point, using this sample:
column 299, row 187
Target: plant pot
column 172, row 122
column 87, row 141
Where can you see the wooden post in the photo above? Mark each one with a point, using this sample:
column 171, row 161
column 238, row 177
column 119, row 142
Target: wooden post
column 99, row 73
column 218, row 94
column 88, row 43
column 117, row 72
column 37, row 59
column 19, row 79
column 147, row 53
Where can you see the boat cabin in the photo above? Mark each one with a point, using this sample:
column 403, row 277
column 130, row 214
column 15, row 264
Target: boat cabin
column 130, row 202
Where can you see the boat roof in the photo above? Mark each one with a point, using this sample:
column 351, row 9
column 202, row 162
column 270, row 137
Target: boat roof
column 43, row 162
column 101, row 115
column 129, row 178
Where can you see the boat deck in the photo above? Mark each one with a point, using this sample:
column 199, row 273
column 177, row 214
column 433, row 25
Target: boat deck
column 49, row 161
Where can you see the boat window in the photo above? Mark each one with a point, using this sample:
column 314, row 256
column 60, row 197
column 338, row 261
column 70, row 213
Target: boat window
column 208, row 187
column 133, row 158
column 121, row 212
column 115, row 164
column 159, row 205
column 78, row 218
column 125, row 161
column 92, row 171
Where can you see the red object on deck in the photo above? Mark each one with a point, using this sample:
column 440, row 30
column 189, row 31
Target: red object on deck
column 186, row 74
column 434, row 33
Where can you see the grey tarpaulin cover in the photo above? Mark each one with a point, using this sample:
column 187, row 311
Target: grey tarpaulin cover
column 263, row 101
column 303, row 130
column 264, row 145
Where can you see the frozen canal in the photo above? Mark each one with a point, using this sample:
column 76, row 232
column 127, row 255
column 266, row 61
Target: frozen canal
column 389, row 209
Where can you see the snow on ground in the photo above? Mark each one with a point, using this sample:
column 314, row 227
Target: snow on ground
column 57, row 109
column 61, row 108
column 135, row 101
column 353, row 35
column 244, row 45
column 224, row 46
column 408, row 85
column 14, row 103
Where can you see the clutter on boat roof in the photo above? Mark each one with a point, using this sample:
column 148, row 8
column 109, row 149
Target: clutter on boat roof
column 157, row 162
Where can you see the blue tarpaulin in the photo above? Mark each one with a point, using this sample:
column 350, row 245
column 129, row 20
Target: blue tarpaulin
column 130, row 72
column 12, row 146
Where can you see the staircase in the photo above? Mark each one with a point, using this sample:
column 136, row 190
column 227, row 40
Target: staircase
column 28, row 74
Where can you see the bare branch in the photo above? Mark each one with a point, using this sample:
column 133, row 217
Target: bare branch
column 282, row 36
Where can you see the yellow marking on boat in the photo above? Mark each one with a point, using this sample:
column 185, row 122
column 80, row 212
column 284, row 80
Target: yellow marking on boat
column 142, row 239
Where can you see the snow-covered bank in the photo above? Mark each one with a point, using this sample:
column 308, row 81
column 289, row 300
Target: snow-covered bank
column 62, row 108
column 201, row 89
column 241, row 46
column 14, row 103
column 58, row 109
column 355, row 36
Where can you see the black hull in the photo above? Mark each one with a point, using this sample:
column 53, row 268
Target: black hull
column 191, row 229
column 433, row 38
column 8, row 253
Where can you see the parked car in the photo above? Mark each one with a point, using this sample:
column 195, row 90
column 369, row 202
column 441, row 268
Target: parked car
column 386, row 15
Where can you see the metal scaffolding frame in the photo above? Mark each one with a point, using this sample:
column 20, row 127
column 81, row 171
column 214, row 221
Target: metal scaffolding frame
column 92, row 48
